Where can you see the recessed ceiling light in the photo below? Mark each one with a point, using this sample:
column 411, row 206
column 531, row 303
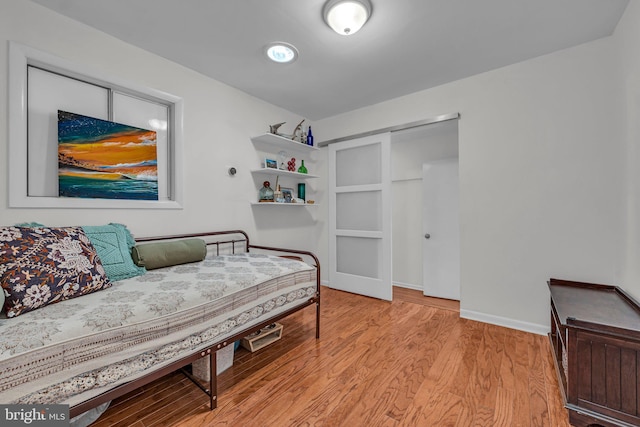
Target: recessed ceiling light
column 281, row 52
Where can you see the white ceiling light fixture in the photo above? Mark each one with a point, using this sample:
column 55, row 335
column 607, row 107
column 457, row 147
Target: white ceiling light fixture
column 346, row 17
column 281, row 52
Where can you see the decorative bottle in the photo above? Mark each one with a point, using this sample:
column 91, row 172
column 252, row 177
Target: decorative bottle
column 277, row 195
column 266, row 193
column 302, row 169
column 310, row 137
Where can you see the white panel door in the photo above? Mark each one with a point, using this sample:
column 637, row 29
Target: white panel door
column 441, row 229
column 360, row 216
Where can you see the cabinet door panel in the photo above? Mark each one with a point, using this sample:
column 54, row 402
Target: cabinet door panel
column 598, row 383
column 612, row 367
column 629, row 381
column 584, row 369
column 638, row 383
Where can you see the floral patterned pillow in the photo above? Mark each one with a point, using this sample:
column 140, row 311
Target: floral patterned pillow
column 45, row 265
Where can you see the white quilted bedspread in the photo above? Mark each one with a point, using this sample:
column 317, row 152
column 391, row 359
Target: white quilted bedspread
column 69, row 351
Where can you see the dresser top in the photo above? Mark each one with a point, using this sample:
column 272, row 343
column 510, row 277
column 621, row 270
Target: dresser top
column 597, row 304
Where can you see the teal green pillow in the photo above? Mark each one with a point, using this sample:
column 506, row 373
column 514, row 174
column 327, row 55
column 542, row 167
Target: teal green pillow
column 113, row 243
column 165, row 254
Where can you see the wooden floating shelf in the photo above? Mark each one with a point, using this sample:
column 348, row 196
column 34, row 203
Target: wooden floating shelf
column 264, row 338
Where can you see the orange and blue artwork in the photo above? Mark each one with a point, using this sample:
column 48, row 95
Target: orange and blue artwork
column 99, row 159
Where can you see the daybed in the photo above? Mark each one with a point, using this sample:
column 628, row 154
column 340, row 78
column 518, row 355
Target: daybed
column 88, row 350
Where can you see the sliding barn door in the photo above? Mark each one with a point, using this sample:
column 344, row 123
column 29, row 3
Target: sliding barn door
column 360, row 216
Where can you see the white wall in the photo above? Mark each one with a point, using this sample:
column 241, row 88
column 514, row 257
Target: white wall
column 218, row 124
column 627, row 37
column 542, row 174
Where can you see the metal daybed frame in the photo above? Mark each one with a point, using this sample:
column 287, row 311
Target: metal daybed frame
column 212, row 389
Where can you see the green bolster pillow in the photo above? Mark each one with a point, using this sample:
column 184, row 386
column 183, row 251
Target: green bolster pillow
column 165, row 254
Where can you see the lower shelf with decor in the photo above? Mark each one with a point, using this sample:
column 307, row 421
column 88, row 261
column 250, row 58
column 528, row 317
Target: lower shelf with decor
column 283, row 204
column 263, row 337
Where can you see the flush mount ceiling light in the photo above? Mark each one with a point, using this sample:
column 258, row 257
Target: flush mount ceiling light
column 346, row 17
column 281, row 52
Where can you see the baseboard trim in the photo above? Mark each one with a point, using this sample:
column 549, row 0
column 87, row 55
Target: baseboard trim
column 398, row 284
column 407, row 286
column 504, row 321
column 519, row 325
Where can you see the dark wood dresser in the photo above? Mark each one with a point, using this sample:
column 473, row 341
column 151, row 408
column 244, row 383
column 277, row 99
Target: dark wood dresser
column 595, row 339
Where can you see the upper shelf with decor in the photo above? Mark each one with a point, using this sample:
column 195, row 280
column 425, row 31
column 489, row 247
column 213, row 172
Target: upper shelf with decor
column 269, row 171
column 275, row 143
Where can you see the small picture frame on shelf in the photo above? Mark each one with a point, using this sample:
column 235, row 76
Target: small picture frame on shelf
column 270, row 163
column 287, row 194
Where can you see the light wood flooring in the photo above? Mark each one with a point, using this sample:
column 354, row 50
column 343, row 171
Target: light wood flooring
column 412, row 362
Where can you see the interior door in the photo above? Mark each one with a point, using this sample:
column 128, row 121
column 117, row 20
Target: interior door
column 360, row 216
column 441, row 229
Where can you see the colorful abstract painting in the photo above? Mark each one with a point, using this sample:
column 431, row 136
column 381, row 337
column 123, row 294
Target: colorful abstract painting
column 100, row 159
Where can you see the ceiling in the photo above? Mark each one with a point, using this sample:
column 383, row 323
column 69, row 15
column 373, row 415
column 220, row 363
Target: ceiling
column 407, row 45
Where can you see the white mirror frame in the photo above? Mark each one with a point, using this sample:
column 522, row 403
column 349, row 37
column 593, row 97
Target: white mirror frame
column 19, row 57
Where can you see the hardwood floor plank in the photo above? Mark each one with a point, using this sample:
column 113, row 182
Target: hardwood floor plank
column 537, row 390
column 503, row 411
column 522, row 403
column 358, row 339
column 507, row 377
column 557, row 412
column 466, row 413
column 380, row 344
column 403, row 363
column 439, row 372
column 438, row 382
column 189, row 401
column 483, row 417
column 400, row 372
column 433, row 409
column 162, row 383
column 135, row 408
column 482, row 382
column 469, row 357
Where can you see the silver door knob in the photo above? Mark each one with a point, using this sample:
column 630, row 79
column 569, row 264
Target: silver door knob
column 427, row 236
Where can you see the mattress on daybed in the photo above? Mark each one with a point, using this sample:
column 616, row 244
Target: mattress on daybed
column 76, row 349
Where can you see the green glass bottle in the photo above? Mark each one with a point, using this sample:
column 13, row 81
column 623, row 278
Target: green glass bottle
column 302, row 169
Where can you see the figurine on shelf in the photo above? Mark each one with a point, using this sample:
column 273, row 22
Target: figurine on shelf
column 274, row 128
column 282, row 157
column 297, row 132
column 291, row 165
column 298, row 135
column 266, row 193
